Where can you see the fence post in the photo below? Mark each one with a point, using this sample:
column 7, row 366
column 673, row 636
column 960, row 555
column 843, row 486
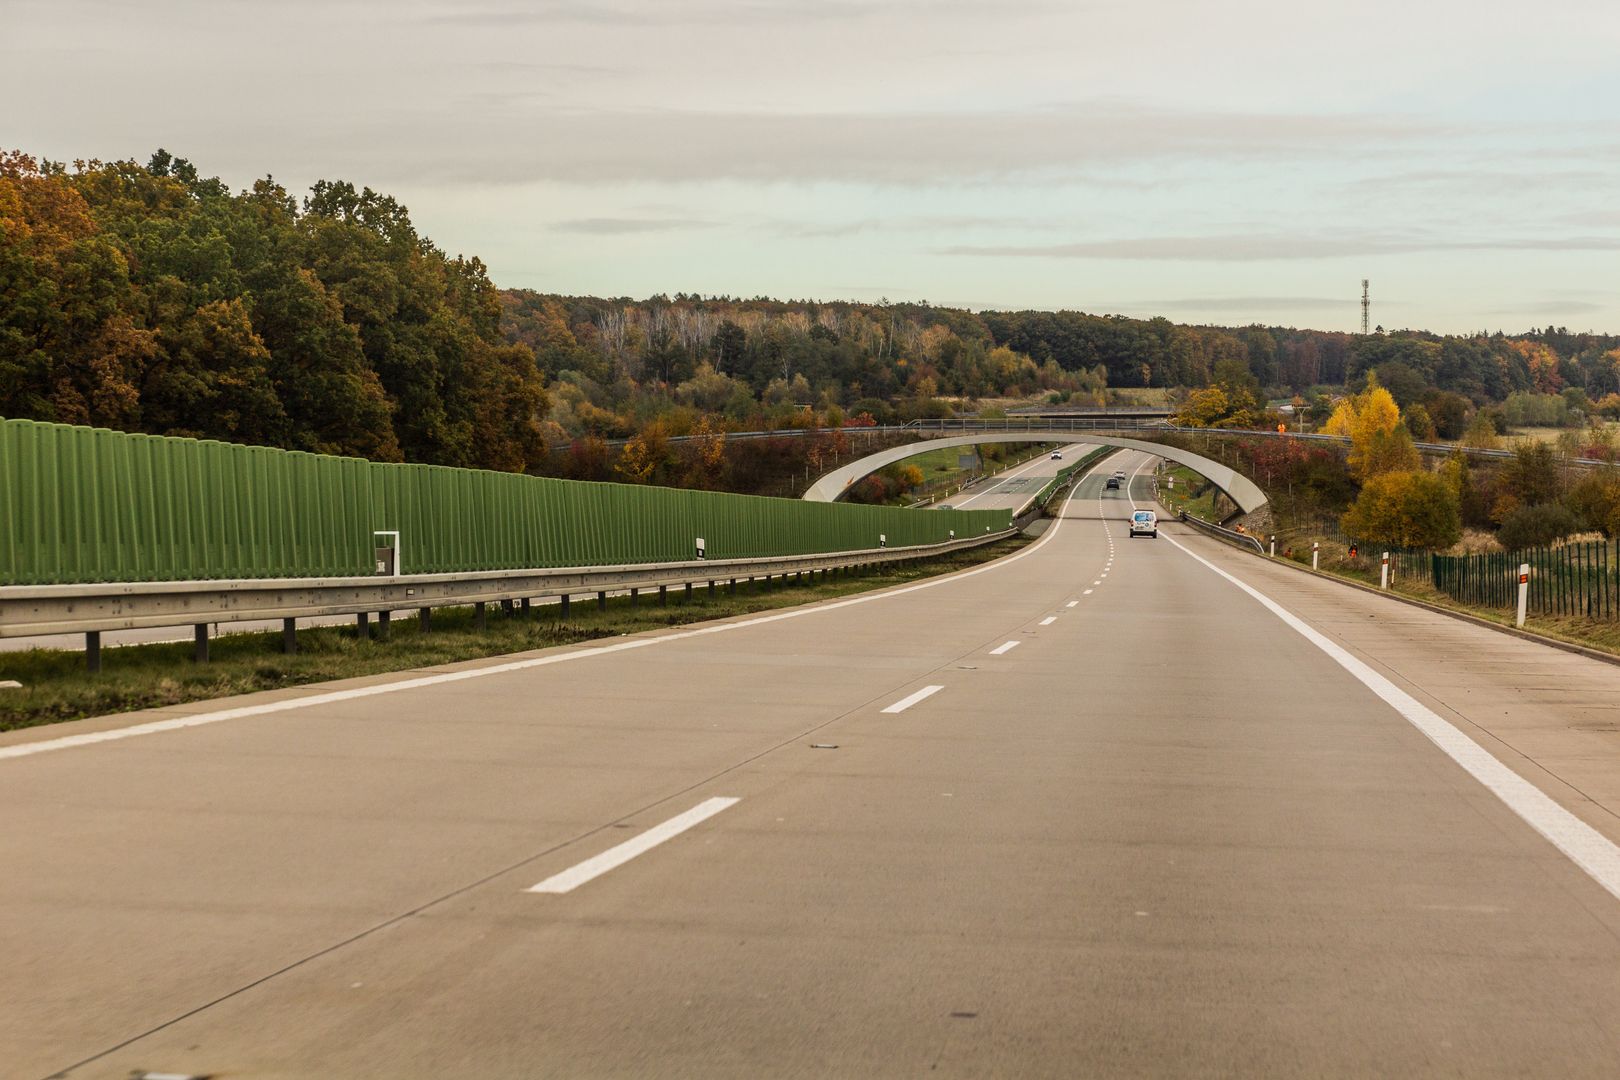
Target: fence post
column 1524, row 589
column 1383, row 573
column 1315, row 553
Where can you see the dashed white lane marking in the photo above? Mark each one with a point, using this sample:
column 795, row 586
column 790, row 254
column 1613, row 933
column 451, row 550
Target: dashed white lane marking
column 1049, row 620
column 179, row 723
column 613, row 857
column 1588, row 848
column 911, row 699
column 1006, row 648
column 1086, row 593
column 1097, row 582
column 1071, row 603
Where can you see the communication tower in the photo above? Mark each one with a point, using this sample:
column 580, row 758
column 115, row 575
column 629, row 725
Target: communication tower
column 1366, row 303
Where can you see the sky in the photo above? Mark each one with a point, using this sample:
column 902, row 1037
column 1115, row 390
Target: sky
column 1246, row 161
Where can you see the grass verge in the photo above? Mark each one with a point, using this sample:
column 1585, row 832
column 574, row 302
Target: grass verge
column 56, row 687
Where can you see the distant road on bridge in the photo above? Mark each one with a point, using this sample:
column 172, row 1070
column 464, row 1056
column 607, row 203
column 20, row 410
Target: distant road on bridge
column 1107, row 807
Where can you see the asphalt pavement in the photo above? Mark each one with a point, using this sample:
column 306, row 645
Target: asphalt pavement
column 1106, row 807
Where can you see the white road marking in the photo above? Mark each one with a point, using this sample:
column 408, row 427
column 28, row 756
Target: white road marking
column 614, row 857
column 1086, row 593
column 1588, row 848
column 1014, row 474
column 1008, row 647
column 1097, row 582
column 911, row 699
column 1049, row 620
column 305, row 701
column 1071, row 603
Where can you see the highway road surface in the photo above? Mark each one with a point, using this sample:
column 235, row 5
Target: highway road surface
column 1012, row 488
column 1106, row 807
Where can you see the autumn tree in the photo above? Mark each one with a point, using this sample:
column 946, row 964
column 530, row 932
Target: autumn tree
column 1407, row 509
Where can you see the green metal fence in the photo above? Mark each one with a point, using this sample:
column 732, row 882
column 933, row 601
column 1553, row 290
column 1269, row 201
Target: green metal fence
column 1572, row 579
column 84, row 504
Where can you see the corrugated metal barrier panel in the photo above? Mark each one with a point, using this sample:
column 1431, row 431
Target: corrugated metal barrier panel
column 82, row 504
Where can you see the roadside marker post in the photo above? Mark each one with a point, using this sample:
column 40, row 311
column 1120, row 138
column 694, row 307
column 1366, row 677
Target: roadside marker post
column 1383, row 573
column 1524, row 589
column 1315, row 553
column 1273, row 545
column 702, row 553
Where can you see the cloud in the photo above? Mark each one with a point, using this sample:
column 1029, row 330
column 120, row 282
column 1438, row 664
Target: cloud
column 718, row 13
column 1554, row 307
column 525, row 141
column 1242, row 303
column 612, row 226
column 1261, row 247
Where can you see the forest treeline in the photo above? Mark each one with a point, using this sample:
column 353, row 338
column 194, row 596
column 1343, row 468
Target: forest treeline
column 152, row 298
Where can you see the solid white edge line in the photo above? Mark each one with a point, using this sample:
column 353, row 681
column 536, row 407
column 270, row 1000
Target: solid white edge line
column 911, row 699
column 1005, row 648
column 1589, row 849
column 179, row 723
column 1049, row 620
column 617, row 856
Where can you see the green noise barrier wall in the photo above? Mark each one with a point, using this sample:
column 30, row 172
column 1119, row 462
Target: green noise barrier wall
column 81, row 504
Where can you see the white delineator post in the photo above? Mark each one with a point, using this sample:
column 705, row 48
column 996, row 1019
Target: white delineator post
column 1273, row 545
column 1524, row 589
column 1383, row 573
column 1315, row 553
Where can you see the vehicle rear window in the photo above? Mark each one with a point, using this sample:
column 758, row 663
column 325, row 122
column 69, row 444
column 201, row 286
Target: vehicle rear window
column 1142, row 515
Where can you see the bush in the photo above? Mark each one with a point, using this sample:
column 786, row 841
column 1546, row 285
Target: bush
column 1537, row 526
column 1405, row 509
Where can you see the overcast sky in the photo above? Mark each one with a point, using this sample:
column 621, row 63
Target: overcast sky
column 1232, row 162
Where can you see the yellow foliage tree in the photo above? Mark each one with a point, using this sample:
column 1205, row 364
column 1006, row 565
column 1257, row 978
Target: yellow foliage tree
column 1379, row 442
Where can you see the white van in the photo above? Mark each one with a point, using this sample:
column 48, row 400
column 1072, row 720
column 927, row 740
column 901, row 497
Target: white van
column 1145, row 523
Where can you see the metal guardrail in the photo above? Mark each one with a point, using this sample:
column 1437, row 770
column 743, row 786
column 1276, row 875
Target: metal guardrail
column 90, row 609
column 1223, row 533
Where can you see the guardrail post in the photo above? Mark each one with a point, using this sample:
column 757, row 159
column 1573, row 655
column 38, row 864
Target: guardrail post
column 731, row 587
column 424, row 619
column 524, row 604
column 601, row 600
column 635, row 598
column 711, row 590
column 289, row 636
column 688, row 597
column 565, row 602
column 199, row 651
column 1383, row 573
column 92, row 651
column 1315, row 552
column 663, row 596
column 362, row 625
column 382, row 624
column 478, row 615
column 1524, row 589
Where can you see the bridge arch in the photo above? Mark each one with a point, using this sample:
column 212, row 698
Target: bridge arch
column 1239, row 488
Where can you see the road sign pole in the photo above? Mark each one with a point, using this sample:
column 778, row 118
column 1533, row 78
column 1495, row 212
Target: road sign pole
column 1524, row 589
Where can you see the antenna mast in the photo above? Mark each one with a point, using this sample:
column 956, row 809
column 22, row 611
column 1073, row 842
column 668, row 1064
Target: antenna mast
column 1366, row 303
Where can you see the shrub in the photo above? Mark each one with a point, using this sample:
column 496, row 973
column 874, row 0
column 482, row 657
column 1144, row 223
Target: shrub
column 1407, row 509
column 1537, row 526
